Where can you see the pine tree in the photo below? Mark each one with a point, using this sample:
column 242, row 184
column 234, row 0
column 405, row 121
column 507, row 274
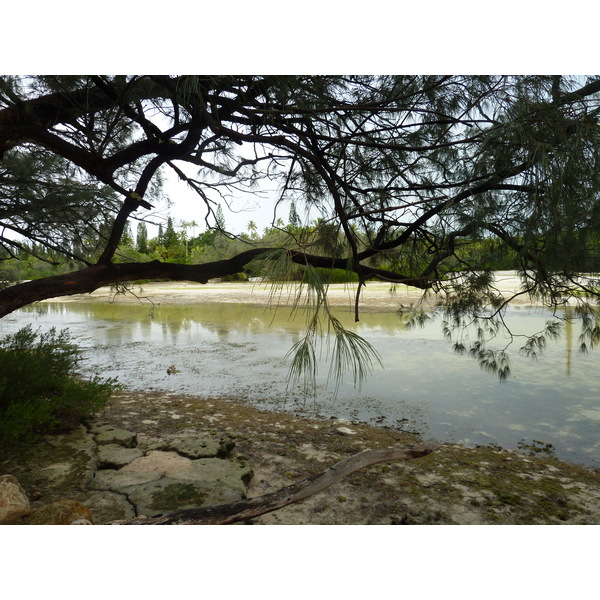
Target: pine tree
column 294, row 219
column 170, row 237
column 409, row 176
column 142, row 239
column 220, row 218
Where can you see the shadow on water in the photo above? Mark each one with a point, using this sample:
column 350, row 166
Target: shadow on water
column 239, row 350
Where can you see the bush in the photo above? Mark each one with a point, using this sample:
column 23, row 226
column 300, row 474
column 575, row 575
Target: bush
column 334, row 276
column 40, row 391
column 235, row 277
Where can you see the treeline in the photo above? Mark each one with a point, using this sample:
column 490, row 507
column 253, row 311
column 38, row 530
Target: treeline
column 179, row 243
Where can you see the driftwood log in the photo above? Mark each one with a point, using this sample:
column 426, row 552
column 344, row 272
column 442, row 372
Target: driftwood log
column 243, row 510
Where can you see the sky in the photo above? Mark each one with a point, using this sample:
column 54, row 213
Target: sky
column 317, row 37
column 258, row 207
column 313, row 37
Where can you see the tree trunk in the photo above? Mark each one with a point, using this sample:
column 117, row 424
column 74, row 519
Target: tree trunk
column 249, row 509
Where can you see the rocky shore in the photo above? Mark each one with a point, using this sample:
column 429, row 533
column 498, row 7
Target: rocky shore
column 136, row 459
column 101, row 474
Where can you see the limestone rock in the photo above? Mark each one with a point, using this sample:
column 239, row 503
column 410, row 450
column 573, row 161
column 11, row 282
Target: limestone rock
column 166, row 495
column 79, row 438
column 169, row 494
column 96, row 428
column 191, row 446
column 105, row 434
column 215, row 470
column 13, row 500
column 107, row 506
column 187, row 472
column 197, row 447
column 82, row 444
column 61, row 512
column 113, row 456
column 118, row 481
column 165, row 463
column 208, row 482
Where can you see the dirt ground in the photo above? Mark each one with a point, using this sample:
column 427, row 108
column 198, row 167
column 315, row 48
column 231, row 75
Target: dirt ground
column 454, row 485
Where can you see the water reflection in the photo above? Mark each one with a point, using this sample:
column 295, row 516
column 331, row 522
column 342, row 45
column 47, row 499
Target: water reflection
column 239, row 350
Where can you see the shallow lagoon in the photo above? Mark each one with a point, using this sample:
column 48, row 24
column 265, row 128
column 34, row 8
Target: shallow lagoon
column 239, row 350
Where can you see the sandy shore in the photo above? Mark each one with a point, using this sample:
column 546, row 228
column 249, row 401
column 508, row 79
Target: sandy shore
column 374, row 296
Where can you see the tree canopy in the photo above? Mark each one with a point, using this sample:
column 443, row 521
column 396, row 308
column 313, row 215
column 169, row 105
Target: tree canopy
column 402, row 175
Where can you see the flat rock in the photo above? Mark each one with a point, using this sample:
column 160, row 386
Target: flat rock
column 82, row 443
column 113, row 456
column 105, row 434
column 110, row 479
column 166, row 495
column 216, row 470
column 100, row 427
column 197, row 447
column 108, row 506
column 79, row 438
column 164, row 463
column 119, row 481
column 176, row 492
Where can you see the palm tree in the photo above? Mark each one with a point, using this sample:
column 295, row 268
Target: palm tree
column 252, row 228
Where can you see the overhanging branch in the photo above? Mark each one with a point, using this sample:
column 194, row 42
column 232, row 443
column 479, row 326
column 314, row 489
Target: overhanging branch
column 87, row 280
column 91, row 278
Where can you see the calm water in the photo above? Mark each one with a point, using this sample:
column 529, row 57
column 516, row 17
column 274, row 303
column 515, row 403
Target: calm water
column 240, row 350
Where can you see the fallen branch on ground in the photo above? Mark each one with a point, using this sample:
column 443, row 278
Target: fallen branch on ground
column 249, row 509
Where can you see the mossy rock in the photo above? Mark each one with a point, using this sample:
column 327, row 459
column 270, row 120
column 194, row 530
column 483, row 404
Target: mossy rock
column 209, row 482
column 113, row 456
column 106, row 434
column 177, row 495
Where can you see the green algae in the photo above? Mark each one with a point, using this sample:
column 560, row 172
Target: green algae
column 177, row 495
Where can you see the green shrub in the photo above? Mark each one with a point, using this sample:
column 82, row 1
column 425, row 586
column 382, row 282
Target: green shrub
column 235, row 277
column 40, row 391
column 334, row 276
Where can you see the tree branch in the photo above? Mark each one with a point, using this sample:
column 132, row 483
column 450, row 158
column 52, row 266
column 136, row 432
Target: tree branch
column 91, row 278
